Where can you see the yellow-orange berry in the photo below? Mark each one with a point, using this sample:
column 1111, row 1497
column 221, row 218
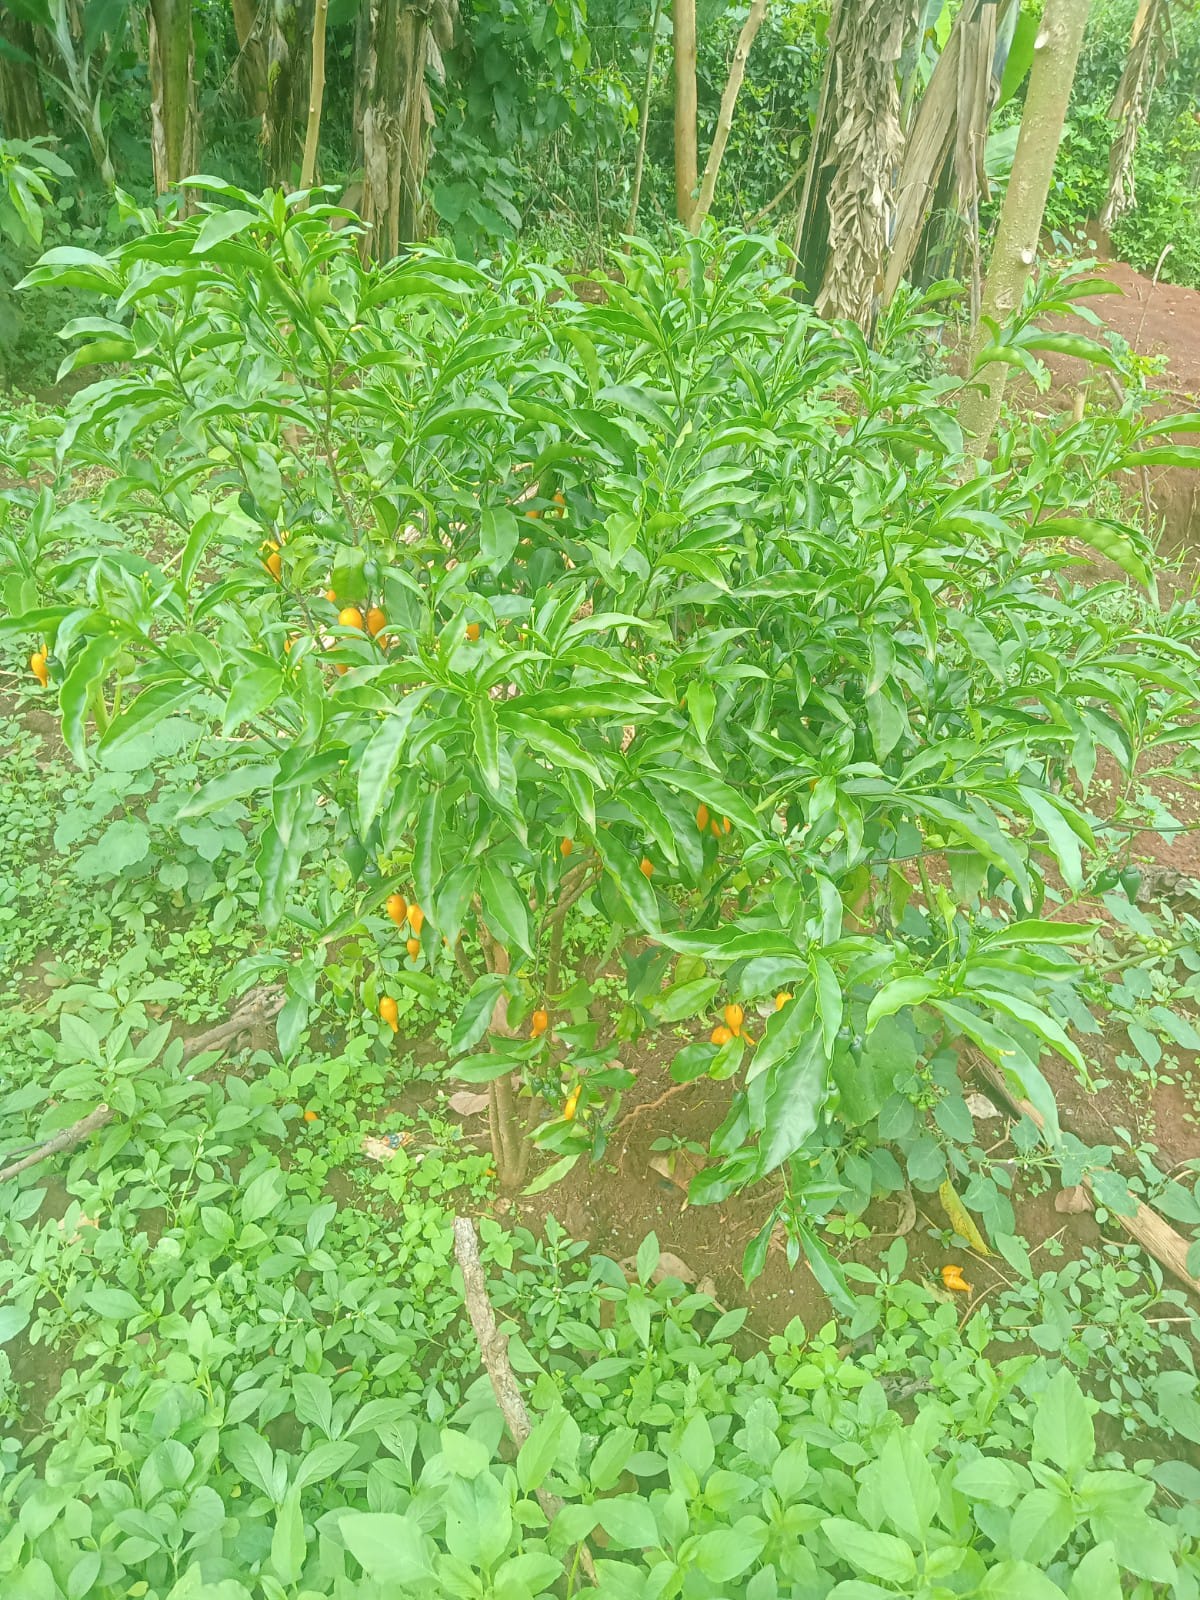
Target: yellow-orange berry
column 734, row 1017
column 390, row 1013
column 646, row 867
column 396, row 908
column 721, row 1034
column 538, row 1023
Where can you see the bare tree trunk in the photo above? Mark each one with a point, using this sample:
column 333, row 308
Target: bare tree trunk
column 316, row 96
column 1131, row 105
column 22, row 109
column 249, row 24
column 683, row 28
column 1056, row 52
column 733, row 85
column 856, row 150
column 402, row 39
column 635, row 192
column 172, row 94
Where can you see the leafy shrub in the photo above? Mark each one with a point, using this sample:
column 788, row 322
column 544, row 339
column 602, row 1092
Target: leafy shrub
column 687, row 615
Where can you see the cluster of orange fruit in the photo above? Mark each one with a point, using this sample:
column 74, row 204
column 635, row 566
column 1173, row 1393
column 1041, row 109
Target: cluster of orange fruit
column 401, row 912
column 735, row 1017
column 706, row 822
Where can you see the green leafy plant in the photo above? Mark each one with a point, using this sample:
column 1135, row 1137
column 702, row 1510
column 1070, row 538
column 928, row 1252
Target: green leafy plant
column 676, row 607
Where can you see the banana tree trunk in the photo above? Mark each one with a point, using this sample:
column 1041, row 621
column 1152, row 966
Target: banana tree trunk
column 251, row 67
column 396, row 121
column 1055, row 55
column 172, row 93
column 22, row 109
column 289, row 35
column 1131, row 105
column 846, row 208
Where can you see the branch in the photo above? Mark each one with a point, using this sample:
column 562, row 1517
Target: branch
column 1157, row 1237
column 493, row 1350
column 316, row 96
column 733, row 84
column 258, row 1006
column 66, row 1140
column 635, row 192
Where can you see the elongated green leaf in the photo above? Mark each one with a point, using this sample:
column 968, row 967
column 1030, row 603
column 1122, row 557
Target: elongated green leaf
column 505, row 907
column 486, row 739
column 1109, row 538
column 381, row 756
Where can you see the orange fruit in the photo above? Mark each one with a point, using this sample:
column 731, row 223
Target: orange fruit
column 560, row 499
column 570, row 1103
column 714, row 828
column 331, row 597
column 734, row 1017
column 310, row 1116
column 472, row 631
column 952, row 1278
column 274, row 565
column 726, row 825
column 781, row 999
column 566, row 847
column 701, row 812
column 390, row 1013
column 375, row 620
column 289, row 642
column 646, row 867
column 350, row 617
column 416, row 918
column 720, row 1034
column 396, row 908
column 538, row 1023
column 413, row 946
column 37, row 665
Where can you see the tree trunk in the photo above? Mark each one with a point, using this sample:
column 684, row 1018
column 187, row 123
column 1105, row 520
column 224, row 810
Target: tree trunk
column 1055, row 54
column 687, row 177
column 635, row 190
column 22, row 109
column 251, row 67
column 289, row 29
column 316, row 96
column 733, row 84
column 397, row 117
column 172, row 94
column 1131, row 105
column 845, row 212
column 944, row 151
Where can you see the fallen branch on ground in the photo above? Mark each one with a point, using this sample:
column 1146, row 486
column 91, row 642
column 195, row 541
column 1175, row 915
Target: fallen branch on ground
column 1167, row 1247
column 66, row 1140
column 493, row 1349
column 258, row 1006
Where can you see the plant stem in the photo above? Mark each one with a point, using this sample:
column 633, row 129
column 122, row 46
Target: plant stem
column 635, row 193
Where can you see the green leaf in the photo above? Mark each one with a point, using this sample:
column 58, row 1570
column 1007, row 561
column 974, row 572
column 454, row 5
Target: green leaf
column 287, row 1542
column 684, row 1000
column 897, row 995
column 380, row 756
column 537, row 1455
column 722, row 1554
column 629, row 1523
column 263, row 1195
column 505, row 908
column 251, row 694
column 1062, row 1425
column 14, row 1320
column 113, row 1304
column 989, row 1478
column 222, row 225
column 499, row 531
column 1109, row 538
column 1017, row 1580
column 611, row 1458
column 880, row 1555
column 84, row 681
column 1097, row 1577
column 553, row 1174
column 647, row 1257
column 486, row 739
column 390, row 1548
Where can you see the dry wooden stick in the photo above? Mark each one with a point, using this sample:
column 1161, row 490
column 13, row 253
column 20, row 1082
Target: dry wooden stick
column 257, row 1006
column 66, row 1140
column 1167, row 1247
column 493, row 1349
